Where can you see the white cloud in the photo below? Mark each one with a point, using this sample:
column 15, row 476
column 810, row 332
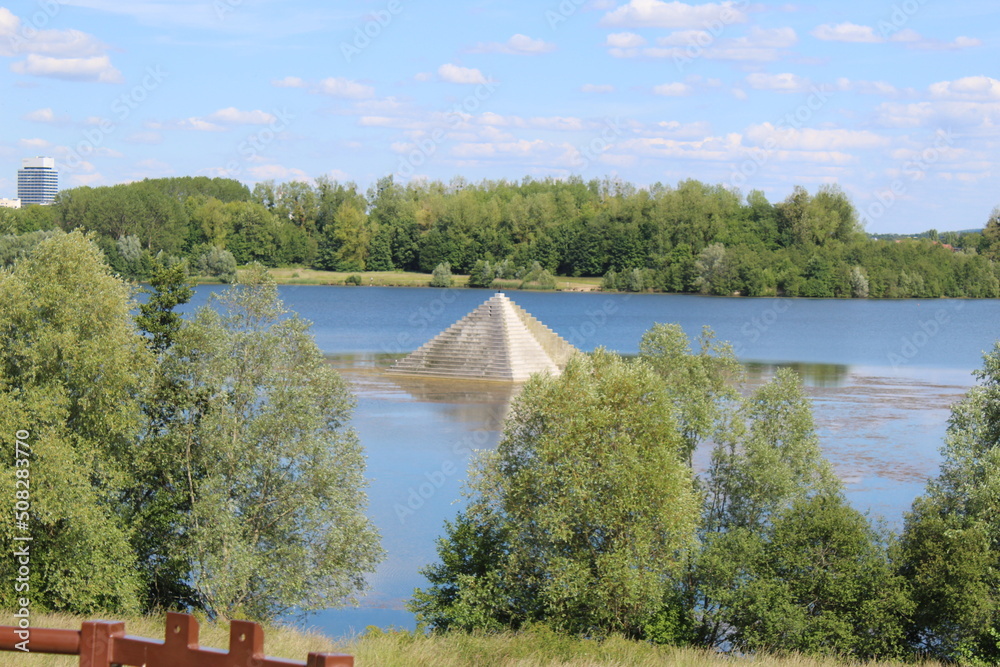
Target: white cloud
column 970, row 88
column 781, row 83
column 98, row 68
column 16, row 40
column 289, row 82
column 658, row 14
column 234, row 116
column 464, row 75
column 976, row 115
column 847, row 32
column 758, row 45
column 522, row 148
column 853, row 32
column 196, row 124
column 277, row 172
column 517, row 45
column 149, row 138
column 625, row 40
column 868, row 87
column 423, row 76
column 675, row 89
column 45, row 115
column 343, row 87
column 154, row 166
column 810, row 139
column 597, row 88
column 34, row 144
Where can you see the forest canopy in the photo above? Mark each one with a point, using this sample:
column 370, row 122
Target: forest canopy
column 691, row 237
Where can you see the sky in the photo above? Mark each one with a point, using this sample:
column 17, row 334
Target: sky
column 894, row 101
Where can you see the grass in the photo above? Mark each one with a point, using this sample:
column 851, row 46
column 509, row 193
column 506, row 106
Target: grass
column 299, row 276
column 378, row 648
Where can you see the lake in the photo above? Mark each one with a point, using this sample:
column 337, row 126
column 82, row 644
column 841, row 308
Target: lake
column 881, row 376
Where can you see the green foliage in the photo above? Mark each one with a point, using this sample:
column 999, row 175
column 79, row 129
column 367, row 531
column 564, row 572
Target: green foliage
column 693, row 237
column 538, row 278
column 482, row 274
column 207, row 466
column 72, row 370
column 818, row 581
column 157, row 317
column 951, row 544
column 13, row 247
column 442, row 276
column 217, row 263
column 578, row 519
column 263, row 476
column 699, row 384
column 353, row 279
column 786, row 565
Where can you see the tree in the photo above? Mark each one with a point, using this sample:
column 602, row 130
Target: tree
column 712, row 271
column 786, row 564
column 72, row 371
column 266, row 481
column 579, row 517
column 699, row 384
column 157, row 317
column 441, row 277
column 951, row 542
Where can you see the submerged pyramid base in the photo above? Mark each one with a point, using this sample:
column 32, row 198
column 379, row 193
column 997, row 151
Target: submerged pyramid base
column 496, row 341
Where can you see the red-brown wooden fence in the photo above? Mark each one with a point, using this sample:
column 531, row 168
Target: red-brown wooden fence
column 104, row 643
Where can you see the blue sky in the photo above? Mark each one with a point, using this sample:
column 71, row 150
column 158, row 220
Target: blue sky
column 894, row 101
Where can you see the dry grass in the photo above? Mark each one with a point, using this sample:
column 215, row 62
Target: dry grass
column 294, row 276
column 398, row 649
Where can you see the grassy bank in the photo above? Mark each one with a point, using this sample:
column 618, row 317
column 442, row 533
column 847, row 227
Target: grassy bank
column 398, row 649
column 405, row 279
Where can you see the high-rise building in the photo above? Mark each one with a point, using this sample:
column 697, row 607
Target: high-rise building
column 37, row 181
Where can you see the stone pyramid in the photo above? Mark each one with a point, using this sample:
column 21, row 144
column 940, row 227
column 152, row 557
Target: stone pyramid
column 496, row 341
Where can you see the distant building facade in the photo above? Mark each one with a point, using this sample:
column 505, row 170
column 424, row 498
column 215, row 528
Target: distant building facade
column 10, row 203
column 37, row 180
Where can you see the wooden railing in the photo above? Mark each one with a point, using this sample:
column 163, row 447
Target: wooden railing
column 104, row 643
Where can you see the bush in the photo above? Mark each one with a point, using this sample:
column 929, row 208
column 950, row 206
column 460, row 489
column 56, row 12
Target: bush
column 218, row 263
column 353, row 279
column 442, row 275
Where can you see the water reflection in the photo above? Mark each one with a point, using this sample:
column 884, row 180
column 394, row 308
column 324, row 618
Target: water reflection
column 813, row 375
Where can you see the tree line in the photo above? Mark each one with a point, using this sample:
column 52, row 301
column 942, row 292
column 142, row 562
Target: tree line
column 198, row 464
column 588, row 519
column 692, row 237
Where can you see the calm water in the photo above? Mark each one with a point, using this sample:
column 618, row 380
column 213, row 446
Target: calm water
column 881, row 374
